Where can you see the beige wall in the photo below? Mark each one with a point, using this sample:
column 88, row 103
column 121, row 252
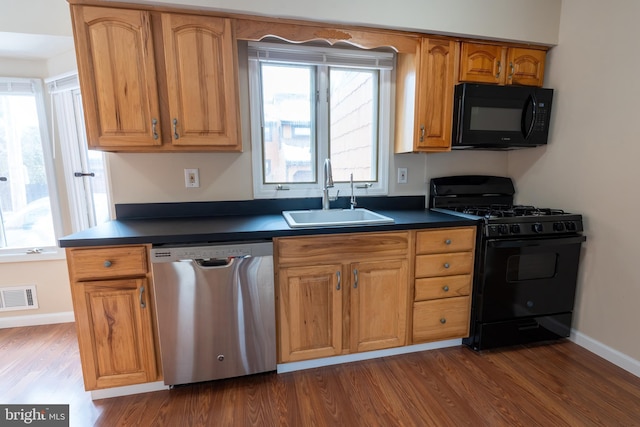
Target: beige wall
column 591, row 163
column 523, row 20
column 52, row 285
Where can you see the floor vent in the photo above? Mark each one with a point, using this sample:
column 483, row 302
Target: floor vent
column 18, row 298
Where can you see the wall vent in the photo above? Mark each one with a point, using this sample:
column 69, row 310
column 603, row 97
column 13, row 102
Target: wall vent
column 18, row 298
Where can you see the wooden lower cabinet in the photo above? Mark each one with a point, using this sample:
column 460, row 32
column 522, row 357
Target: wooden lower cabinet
column 310, row 312
column 113, row 306
column 378, row 305
column 444, row 261
column 349, row 294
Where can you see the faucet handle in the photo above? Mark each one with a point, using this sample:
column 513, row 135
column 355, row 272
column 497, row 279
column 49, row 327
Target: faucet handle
column 334, row 198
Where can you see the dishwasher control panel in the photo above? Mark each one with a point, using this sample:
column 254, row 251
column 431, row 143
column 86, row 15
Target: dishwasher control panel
column 172, row 254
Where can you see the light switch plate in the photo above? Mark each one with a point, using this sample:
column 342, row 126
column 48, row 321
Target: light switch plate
column 402, row 175
column 191, row 178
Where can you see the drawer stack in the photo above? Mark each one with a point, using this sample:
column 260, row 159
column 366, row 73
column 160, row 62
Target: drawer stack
column 443, row 278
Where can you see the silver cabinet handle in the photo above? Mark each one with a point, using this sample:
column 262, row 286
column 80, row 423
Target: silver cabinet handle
column 443, row 320
column 175, row 129
column 355, row 280
column 499, row 69
column 512, row 70
column 154, row 123
column 339, row 280
column 447, row 242
column 446, row 265
column 445, row 288
column 142, row 303
column 422, row 132
column 107, row 264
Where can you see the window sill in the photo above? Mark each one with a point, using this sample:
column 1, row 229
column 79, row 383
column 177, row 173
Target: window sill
column 48, row 254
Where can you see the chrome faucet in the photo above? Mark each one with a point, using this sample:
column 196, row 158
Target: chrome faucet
column 353, row 196
column 327, row 180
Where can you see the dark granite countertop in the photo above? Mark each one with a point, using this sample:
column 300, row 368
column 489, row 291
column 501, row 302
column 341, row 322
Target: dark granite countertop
column 209, row 222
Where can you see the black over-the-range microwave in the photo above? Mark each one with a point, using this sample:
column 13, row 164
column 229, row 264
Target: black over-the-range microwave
column 500, row 117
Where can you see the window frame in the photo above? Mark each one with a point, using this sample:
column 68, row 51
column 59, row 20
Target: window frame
column 385, row 101
column 45, row 252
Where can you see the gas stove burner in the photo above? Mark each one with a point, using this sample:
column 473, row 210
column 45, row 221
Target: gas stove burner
column 521, row 210
column 508, row 211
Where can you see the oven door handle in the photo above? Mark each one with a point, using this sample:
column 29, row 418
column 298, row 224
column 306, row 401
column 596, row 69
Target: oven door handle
column 550, row 241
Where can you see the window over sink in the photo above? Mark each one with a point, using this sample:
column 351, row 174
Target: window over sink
column 309, row 103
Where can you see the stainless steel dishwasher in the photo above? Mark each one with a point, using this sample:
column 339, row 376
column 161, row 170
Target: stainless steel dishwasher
column 216, row 311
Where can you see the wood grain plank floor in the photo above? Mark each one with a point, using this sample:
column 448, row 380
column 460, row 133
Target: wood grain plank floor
column 560, row 384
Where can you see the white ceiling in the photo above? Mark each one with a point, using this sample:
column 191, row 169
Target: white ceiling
column 33, row 46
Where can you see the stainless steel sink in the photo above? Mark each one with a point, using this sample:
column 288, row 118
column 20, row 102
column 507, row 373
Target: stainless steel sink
column 334, row 217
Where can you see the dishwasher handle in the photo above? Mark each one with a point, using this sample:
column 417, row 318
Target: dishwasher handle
column 215, row 262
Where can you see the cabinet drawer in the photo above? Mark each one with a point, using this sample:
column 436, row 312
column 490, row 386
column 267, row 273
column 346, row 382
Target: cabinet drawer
column 444, row 264
column 442, row 287
column 123, row 261
column 359, row 246
column 441, row 319
column 445, row 240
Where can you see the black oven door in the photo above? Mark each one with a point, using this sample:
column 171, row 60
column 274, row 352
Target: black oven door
column 528, row 277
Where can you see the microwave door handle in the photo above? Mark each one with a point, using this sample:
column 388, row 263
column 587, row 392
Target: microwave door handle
column 533, row 105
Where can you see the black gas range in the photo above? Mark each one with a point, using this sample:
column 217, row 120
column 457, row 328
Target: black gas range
column 526, row 266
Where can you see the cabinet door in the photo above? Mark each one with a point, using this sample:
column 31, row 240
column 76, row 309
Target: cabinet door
column 201, row 81
column 310, row 312
column 435, row 95
column 115, row 334
column 526, row 66
column 117, row 72
column 379, row 291
column 482, row 63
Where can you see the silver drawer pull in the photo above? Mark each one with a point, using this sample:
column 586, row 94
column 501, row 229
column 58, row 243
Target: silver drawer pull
column 339, row 280
column 355, row 282
column 447, row 242
column 446, row 265
column 445, row 288
column 108, row 264
column 443, row 320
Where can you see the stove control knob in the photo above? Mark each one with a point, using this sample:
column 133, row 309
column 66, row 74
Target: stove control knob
column 503, row 229
column 558, row 226
column 537, row 227
column 571, row 226
column 515, row 228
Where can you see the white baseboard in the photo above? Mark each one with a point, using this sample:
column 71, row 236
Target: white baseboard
column 128, row 390
column 36, row 319
column 335, row 360
column 614, row 356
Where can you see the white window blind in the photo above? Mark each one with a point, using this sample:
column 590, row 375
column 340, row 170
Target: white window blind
column 330, row 56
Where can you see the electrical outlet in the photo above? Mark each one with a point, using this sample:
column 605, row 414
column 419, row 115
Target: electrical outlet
column 191, row 178
column 402, row 175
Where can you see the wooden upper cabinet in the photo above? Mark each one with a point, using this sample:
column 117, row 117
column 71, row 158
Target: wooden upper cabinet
column 435, row 95
column 526, row 66
column 118, row 76
column 495, row 64
column 201, row 80
column 129, row 60
column 424, row 97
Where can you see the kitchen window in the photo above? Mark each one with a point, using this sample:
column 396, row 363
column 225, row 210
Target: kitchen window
column 309, row 103
column 29, row 219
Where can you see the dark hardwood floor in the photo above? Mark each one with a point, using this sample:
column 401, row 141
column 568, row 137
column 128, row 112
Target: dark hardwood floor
column 560, row 384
